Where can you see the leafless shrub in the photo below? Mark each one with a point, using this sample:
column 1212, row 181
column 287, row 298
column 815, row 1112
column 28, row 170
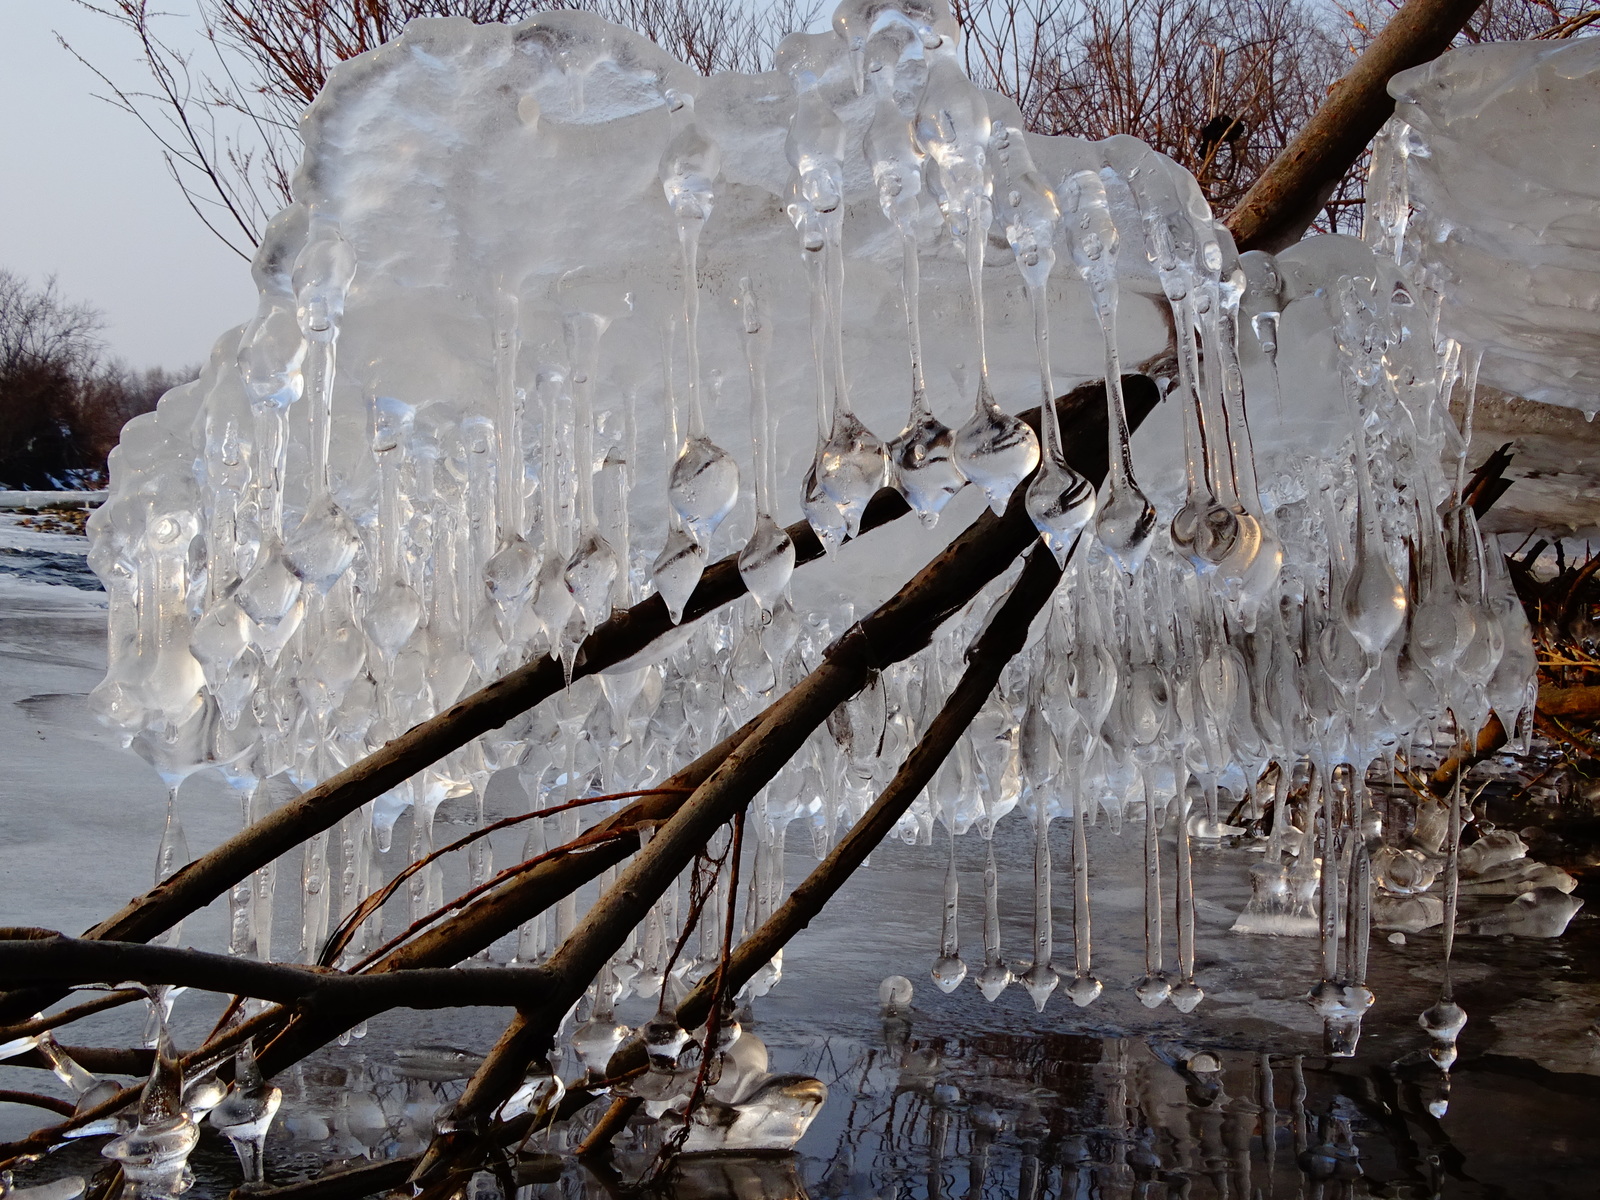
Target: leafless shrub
column 1219, row 86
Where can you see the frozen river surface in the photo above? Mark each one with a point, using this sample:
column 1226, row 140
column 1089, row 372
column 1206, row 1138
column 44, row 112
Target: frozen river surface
column 962, row 1098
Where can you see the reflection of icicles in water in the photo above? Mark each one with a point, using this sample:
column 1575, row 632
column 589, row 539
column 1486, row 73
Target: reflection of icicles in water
column 1032, row 1116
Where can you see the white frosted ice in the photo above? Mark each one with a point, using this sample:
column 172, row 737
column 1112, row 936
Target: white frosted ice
column 1493, row 150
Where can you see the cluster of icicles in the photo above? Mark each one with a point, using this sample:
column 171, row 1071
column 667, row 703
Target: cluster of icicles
column 1333, row 614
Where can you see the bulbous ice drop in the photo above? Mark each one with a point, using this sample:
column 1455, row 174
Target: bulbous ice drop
column 1186, row 996
column 851, row 466
column 590, row 572
column 393, row 611
column 220, row 636
column 821, row 512
column 1124, row 527
column 923, row 468
column 1153, row 990
column 269, row 593
column 1374, row 602
column 595, row 1041
column 995, row 450
column 1204, row 529
column 894, row 995
column 1444, row 1021
column 323, row 272
column 1060, row 503
column 1084, row 990
column 678, row 568
column 994, row 979
column 323, row 544
column 1040, row 980
column 511, row 572
column 767, row 562
column 703, row 486
column 948, row 972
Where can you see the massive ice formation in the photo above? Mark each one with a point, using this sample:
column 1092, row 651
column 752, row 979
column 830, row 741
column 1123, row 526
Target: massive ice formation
column 1489, row 188
column 539, row 284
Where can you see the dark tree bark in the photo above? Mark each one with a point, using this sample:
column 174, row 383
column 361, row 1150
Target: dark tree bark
column 1282, row 203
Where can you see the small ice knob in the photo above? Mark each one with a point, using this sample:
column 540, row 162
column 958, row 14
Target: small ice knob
column 894, row 993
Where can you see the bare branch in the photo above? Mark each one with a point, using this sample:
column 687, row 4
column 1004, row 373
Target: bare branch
column 74, row 961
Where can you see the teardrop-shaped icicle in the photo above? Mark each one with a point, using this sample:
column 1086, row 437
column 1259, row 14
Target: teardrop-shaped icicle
column 996, row 451
column 767, row 562
column 678, row 568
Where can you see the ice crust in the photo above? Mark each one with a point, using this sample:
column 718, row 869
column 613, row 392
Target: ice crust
column 1495, row 149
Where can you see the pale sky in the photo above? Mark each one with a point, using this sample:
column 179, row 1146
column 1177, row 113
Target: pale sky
column 84, row 195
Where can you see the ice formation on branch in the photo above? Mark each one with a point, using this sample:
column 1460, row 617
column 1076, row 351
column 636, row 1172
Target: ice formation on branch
column 541, row 286
column 1488, row 180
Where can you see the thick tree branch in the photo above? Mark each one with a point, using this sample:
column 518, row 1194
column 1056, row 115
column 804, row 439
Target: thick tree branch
column 1282, row 203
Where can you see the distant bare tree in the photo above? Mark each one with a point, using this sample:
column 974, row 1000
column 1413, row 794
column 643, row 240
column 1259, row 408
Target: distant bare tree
column 47, row 346
column 62, row 404
column 227, row 125
column 1218, row 85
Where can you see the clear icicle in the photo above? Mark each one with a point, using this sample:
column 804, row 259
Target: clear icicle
column 995, row 976
column 1041, row 978
column 1154, row 988
column 949, row 970
column 1084, row 988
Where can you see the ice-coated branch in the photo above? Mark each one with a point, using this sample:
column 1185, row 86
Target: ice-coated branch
column 623, row 636
column 34, row 1100
column 113, row 999
column 891, row 633
column 71, row 961
column 1002, row 640
column 505, row 907
column 1282, row 203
